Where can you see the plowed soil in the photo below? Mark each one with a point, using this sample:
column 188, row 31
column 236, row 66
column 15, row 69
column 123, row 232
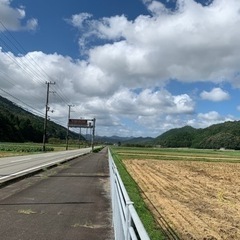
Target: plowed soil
column 199, row 200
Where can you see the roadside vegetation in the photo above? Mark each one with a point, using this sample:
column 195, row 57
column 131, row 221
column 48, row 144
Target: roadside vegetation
column 14, row 149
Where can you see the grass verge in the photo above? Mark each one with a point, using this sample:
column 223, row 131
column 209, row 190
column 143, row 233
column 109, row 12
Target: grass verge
column 134, row 192
column 8, row 149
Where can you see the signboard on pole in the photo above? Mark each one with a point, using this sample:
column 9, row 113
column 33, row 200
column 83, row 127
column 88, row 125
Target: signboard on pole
column 82, row 123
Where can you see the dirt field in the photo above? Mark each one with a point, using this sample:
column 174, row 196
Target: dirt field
column 200, row 200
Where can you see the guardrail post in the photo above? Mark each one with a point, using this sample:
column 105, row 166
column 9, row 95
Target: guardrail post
column 128, row 219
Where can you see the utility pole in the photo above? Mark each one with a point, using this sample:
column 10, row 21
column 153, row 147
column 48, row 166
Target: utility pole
column 46, row 116
column 79, row 139
column 93, row 133
column 69, row 110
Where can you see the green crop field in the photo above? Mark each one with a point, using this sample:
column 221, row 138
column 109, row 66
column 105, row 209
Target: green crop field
column 14, row 149
column 185, row 154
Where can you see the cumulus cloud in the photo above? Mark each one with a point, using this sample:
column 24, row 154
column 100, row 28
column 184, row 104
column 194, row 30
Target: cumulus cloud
column 145, row 108
column 191, row 43
column 210, row 116
column 149, row 103
column 215, row 95
column 155, row 7
column 129, row 60
column 146, row 103
column 31, row 24
column 206, row 119
column 86, row 80
column 11, row 18
column 77, row 20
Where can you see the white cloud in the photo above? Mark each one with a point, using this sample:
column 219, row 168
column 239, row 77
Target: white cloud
column 86, row 86
column 204, row 120
column 149, row 103
column 151, row 111
column 193, row 43
column 11, row 18
column 155, row 7
column 117, row 81
column 77, row 20
column 210, row 116
column 32, row 24
column 215, row 95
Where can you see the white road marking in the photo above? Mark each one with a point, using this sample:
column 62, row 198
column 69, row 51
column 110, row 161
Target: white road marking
column 21, row 160
column 28, row 170
column 32, row 169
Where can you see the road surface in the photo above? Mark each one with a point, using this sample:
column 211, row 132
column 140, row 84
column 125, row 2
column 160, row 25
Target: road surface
column 70, row 201
column 12, row 167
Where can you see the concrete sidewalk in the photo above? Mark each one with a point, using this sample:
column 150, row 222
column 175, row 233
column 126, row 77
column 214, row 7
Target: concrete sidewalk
column 71, row 201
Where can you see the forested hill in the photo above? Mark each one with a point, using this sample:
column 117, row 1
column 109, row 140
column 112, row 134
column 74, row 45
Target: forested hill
column 223, row 135
column 19, row 125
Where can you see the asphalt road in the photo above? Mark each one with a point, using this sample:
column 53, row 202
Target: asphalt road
column 11, row 167
column 70, row 201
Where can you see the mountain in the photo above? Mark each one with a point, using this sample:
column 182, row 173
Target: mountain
column 125, row 141
column 178, row 137
column 222, row 135
column 19, row 125
column 139, row 141
column 109, row 140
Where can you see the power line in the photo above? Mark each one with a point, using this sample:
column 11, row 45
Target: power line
column 27, row 64
column 33, row 110
column 36, row 111
column 22, row 60
column 18, row 46
column 37, row 70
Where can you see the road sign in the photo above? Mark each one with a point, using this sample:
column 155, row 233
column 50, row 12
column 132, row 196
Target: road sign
column 83, row 123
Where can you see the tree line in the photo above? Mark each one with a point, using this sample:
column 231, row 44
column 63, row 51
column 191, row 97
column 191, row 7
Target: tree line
column 223, row 135
column 19, row 125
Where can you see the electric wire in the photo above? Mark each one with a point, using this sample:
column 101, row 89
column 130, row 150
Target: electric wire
column 39, row 68
column 18, row 63
column 21, row 60
column 20, row 49
column 7, row 78
column 35, row 110
column 28, row 65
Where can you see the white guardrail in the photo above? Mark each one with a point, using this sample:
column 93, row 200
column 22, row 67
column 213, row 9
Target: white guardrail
column 126, row 222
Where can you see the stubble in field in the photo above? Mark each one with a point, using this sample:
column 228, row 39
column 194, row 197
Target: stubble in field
column 200, row 200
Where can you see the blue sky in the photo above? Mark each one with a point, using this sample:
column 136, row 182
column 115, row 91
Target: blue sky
column 53, row 34
column 141, row 67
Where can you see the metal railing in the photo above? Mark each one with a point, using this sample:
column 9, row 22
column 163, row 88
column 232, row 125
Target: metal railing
column 126, row 222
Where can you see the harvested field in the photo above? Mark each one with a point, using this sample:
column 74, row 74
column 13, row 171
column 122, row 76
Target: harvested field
column 199, row 200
